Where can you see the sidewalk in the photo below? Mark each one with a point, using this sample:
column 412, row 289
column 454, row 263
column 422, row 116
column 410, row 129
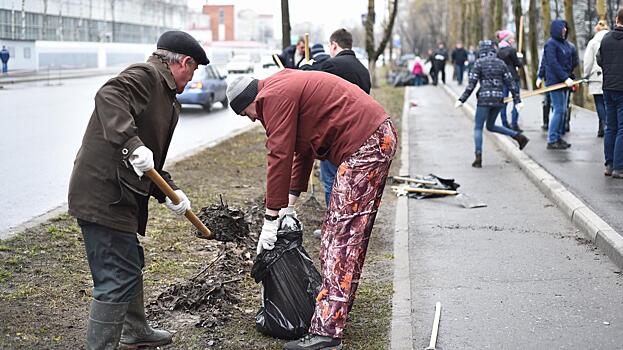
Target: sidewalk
column 514, row 275
column 54, row 74
column 580, row 168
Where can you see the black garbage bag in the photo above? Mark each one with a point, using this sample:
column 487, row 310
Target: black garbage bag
column 290, row 284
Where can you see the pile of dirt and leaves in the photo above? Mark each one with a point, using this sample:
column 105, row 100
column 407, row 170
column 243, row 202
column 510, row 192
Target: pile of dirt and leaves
column 201, row 290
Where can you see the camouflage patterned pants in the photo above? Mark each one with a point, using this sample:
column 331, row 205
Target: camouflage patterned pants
column 355, row 198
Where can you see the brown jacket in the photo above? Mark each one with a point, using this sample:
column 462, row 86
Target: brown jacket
column 310, row 115
column 138, row 107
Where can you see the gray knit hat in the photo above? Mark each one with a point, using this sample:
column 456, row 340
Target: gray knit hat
column 241, row 92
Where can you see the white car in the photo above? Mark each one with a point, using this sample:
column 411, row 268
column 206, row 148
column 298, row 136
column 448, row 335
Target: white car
column 240, row 64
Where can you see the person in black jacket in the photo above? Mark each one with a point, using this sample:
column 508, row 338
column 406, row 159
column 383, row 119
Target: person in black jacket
column 493, row 75
column 440, row 57
column 318, row 56
column 345, row 65
column 609, row 59
column 293, row 55
column 508, row 54
column 459, row 56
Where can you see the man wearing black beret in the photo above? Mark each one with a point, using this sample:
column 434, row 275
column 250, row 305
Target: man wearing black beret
column 128, row 134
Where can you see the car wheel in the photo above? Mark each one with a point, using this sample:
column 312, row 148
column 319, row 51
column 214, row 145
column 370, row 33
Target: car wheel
column 208, row 105
column 225, row 102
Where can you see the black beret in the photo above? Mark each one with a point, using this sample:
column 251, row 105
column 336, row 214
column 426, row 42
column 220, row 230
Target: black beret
column 182, row 42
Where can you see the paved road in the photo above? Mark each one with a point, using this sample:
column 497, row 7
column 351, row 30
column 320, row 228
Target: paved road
column 514, row 275
column 43, row 127
column 580, row 168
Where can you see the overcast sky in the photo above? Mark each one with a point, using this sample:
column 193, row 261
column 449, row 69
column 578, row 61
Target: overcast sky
column 331, row 14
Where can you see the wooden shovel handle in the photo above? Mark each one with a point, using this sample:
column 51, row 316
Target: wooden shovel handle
column 168, row 191
column 425, row 190
column 306, row 47
column 276, row 58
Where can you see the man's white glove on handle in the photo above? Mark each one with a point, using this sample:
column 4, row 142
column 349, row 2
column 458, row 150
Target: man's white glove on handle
column 180, row 208
column 268, row 237
column 142, row 160
column 569, row 82
column 539, row 83
column 458, row 104
column 519, row 106
column 289, row 210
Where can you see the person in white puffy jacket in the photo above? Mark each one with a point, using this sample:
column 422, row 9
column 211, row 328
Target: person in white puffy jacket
column 593, row 71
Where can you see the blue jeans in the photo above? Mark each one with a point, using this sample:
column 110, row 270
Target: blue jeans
column 514, row 115
column 489, row 115
column 5, row 67
column 458, row 71
column 557, row 121
column 600, row 106
column 418, row 80
column 327, row 176
column 613, row 134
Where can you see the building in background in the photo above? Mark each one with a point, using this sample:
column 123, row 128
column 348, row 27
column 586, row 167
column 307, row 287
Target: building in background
column 221, row 21
column 252, row 26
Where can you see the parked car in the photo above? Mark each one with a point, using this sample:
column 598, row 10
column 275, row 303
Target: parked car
column 206, row 87
column 240, row 64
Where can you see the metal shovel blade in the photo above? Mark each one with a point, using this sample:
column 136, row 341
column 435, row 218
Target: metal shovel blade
column 469, row 202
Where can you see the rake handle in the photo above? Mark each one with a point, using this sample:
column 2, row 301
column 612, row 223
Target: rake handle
column 169, row 192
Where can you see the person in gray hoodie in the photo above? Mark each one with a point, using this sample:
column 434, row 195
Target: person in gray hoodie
column 594, row 73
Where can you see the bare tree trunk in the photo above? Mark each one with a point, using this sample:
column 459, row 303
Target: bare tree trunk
column 465, row 17
column 498, row 18
column 285, row 24
column 546, row 12
column 374, row 54
column 578, row 96
column 477, row 21
column 520, row 38
column 533, row 39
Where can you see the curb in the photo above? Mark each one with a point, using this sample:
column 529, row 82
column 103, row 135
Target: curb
column 592, row 226
column 52, row 213
column 401, row 327
column 32, row 79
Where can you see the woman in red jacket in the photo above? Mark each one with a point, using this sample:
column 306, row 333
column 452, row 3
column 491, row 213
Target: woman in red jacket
column 316, row 115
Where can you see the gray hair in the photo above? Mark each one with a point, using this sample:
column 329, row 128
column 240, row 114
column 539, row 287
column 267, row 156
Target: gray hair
column 172, row 57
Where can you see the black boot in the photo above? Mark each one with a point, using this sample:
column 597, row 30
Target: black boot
column 477, row 163
column 314, row 342
column 105, row 324
column 522, row 140
column 546, row 109
column 136, row 331
column 600, row 131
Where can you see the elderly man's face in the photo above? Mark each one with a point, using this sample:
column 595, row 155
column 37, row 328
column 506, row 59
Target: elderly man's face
column 300, row 47
column 250, row 112
column 183, row 72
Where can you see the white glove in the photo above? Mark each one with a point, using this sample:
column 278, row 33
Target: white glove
column 142, row 160
column 181, row 208
column 458, row 104
column 519, row 106
column 289, row 210
column 539, row 82
column 569, row 82
column 310, row 62
column 268, row 237
column 519, row 55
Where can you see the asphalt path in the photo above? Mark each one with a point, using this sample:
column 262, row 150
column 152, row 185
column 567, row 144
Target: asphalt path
column 514, row 275
column 579, row 168
column 43, row 127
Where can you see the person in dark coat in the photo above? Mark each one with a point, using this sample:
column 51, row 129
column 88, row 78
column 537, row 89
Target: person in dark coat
column 559, row 60
column 345, row 65
column 293, row 55
column 4, row 56
column 459, row 57
column 318, row 57
column 609, row 59
column 128, row 134
column 508, row 54
column 492, row 74
column 440, row 57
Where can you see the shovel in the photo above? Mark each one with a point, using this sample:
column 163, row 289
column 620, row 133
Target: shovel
column 463, row 199
column 168, row 191
column 312, row 201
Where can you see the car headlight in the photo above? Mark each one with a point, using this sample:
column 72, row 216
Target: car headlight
column 196, row 85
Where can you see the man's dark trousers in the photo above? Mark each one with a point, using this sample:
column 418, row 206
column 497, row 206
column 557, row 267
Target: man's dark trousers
column 116, row 260
column 613, row 134
column 458, row 71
